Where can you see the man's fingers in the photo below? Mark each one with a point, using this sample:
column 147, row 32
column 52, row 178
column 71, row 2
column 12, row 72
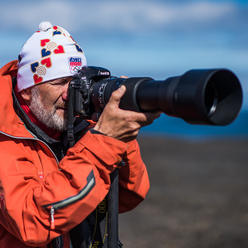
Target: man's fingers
column 147, row 118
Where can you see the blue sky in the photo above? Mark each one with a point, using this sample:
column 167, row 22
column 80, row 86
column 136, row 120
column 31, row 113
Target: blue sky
column 139, row 37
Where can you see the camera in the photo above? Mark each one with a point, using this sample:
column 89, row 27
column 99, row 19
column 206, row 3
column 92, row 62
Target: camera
column 199, row 96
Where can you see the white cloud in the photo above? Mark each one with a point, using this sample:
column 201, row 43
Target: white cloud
column 130, row 15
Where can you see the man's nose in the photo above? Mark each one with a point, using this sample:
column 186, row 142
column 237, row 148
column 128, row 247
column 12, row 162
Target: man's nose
column 65, row 92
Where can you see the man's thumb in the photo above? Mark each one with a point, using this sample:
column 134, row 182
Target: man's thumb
column 117, row 95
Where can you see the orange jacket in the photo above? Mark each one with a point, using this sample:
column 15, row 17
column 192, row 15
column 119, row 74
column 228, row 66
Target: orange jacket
column 33, row 182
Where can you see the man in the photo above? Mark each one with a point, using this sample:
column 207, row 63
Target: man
column 47, row 190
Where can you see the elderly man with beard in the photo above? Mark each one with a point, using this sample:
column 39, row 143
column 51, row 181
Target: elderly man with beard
column 48, row 189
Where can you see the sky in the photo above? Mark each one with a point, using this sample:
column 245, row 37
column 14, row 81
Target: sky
column 139, row 37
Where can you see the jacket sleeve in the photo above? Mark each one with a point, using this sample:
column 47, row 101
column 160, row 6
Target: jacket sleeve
column 36, row 208
column 133, row 179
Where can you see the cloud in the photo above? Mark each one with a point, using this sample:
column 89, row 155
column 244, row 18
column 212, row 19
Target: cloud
column 127, row 16
column 26, row 16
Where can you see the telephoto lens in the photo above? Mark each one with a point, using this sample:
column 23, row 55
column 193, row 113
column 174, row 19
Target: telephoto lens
column 207, row 96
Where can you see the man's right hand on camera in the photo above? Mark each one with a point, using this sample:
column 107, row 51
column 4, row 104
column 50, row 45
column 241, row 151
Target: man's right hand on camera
column 122, row 124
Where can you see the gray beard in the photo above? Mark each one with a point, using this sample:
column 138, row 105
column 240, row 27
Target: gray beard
column 50, row 119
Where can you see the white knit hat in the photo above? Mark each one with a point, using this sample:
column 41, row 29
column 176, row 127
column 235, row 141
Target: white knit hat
column 48, row 54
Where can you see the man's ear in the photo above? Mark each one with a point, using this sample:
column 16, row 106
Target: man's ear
column 26, row 95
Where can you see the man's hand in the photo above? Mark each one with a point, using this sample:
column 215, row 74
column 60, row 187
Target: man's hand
column 122, row 124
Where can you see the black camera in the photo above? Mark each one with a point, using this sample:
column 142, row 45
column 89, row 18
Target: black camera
column 205, row 96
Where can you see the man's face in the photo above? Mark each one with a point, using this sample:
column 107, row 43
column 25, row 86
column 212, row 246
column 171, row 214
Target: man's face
column 48, row 102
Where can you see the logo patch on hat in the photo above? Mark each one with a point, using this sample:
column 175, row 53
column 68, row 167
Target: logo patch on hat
column 75, row 64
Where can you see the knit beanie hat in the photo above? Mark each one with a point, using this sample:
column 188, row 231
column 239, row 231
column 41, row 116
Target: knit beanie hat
column 48, row 54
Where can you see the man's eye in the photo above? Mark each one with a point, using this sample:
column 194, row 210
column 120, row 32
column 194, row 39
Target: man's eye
column 62, row 82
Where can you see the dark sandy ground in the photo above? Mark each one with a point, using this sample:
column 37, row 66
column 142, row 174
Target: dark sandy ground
column 198, row 196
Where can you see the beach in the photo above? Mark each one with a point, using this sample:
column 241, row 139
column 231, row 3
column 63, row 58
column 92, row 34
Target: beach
column 198, row 195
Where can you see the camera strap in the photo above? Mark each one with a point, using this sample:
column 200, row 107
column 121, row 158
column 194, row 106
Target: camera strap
column 100, row 228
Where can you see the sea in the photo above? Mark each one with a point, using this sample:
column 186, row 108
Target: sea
column 178, row 128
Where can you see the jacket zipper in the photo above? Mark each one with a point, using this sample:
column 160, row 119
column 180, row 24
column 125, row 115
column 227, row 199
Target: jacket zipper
column 52, row 218
column 70, row 200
